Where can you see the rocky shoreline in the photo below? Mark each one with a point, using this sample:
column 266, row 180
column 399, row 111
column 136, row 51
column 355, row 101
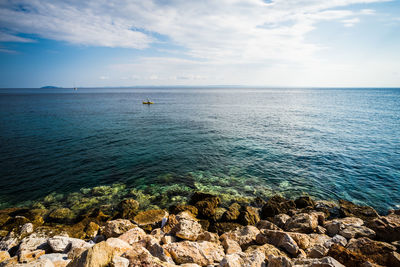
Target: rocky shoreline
column 265, row 232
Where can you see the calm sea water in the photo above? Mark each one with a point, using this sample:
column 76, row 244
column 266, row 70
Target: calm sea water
column 329, row 143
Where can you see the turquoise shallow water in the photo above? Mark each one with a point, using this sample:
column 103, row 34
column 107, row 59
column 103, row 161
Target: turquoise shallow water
column 57, row 144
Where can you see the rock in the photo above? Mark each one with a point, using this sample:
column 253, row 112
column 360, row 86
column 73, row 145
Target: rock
column 26, row 229
column 61, row 215
column 187, row 228
column 394, row 259
column 15, row 223
column 166, row 239
column 9, row 242
column 304, row 202
column 119, row 246
column 337, row 239
column 353, row 231
column 157, row 234
column 128, row 208
column 302, row 240
column 133, row 235
column 324, row 262
column 279, row 262
column 150, row 217
column 348, row 209
column 232, row 214
column 91, row 230
column 378, row 251
column 276, row 205
column 202, row 253
column 11, row 262
column 333, row 227
column 253, row 258
column 158, row 251
column 208, row 236
column 223, row 227
column 26, row 256
column 219, row 212
column 318, row 239
column 140, row 256
column 119, row 262
column 33, row 242
column 75, row 253
column 199, row 196
column 36, row 216
column 249, row 216
column 346, row 257
column 321, row 230
column 100, row 254
column 179, row 208
column 264, row 224
column 208, row 208
column 62, row 244
column 58, row 259
column 267, row 250
column 37, row 263
column 232, row 260
column 243, row 236
column 302, row 223
column 231, row 246
column 280, row 220
column 279, row 239
column 387, row 228
column 170, row 226
column 4, row 255
column 317, row 251
column 116, row 228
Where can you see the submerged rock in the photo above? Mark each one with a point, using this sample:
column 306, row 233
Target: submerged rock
column 61, row 215
column 152, row 218
column 128, row 208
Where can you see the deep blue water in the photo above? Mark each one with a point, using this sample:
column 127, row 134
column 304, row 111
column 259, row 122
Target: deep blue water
column 329, row 143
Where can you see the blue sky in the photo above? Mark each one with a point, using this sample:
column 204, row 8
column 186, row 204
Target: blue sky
column 255, row 43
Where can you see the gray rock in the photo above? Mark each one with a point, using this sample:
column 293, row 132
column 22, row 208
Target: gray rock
column 279, row 262
column 337, row 239
column 62, row 244
column 26, row 229
column 355, row 231
column 280, row 220
column 317, row 251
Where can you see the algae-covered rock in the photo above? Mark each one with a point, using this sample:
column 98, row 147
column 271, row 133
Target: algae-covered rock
column 150, row 217
column 128, row 208
column 249, row 216
column 347, row 257
column 348, row 209
column 379, row 252
column 223, row 227
column 91, row 229
column 179, row 208
column 304, row 202
column 233, row 212
column 61, row 215
column 276, row 205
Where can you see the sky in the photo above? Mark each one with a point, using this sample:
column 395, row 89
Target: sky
column 96, row 43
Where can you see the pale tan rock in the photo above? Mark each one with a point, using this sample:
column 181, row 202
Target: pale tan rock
column 253, row 258
column 302, row 240
column 119, row 246
column 9, row 241
column 158, row 251
column 26, row 229
column 140, row 256
column 318, row 239
column 33, row 242
column 355, row 231
column 119, row 262
column 10, row 262
column 337, row 239
column 4, row 255
column 188, row 229
column 58, row 259
column 100, row 254
column 25, row 256
column 268, row 250
column 116, row 228
column 243, row 235
column 202, row 252
column 75, row 253
column 37, row 263
column 231, row 246
column 279, row 239
column 302, row 223
column 232, row 260
column 133, row 235
column 157, row 234
column 317, row 251
column 62, row 244
column 333, row 227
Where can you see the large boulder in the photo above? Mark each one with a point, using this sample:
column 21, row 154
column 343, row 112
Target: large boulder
column 249, row 216
column 232, row 260
column 187, row 228
column 116, row 228
column 302, row 223
column 100, row 255
column 61, row 215
column 353, row 231
column 304, row 202
column 333, row 227
column 232, row 214
column 62, row 244
column 387, row 228
column 244, row 235
column 151, row 218
column 179, row 208
column 208, row 208
column 202, row 253
column 348, row 209
column 279, row 239
column 302, row 240
column 379, row 252
column 347, row 257
column 133, row 235
column 276, row 205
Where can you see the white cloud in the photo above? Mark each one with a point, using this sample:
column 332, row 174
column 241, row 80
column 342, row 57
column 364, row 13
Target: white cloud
column 5, row 37
column 350, row 22
column 104, row 78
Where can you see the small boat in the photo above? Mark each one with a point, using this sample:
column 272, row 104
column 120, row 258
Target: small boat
column 148, row 102
column 75, row 88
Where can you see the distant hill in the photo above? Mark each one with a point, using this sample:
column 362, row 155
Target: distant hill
column 49, row 87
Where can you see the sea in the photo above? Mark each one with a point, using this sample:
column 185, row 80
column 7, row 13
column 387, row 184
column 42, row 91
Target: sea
column 96, row 146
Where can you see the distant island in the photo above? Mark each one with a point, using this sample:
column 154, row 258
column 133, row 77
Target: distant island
column 49, row 87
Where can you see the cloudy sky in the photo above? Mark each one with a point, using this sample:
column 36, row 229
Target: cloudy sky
column 226, row 42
